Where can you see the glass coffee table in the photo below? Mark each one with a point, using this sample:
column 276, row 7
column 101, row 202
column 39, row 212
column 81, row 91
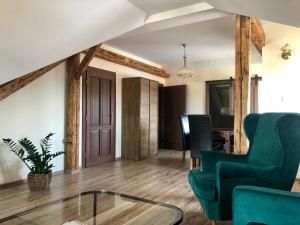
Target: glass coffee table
column 98, row 208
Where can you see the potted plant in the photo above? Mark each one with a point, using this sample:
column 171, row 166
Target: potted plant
column 38, row 162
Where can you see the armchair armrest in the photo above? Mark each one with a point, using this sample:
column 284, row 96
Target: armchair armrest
column 236, row 170
column 264, row 205
column 232, row 174
column 209, row 159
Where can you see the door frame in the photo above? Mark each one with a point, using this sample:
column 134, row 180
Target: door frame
column 210, row 83
column 230, row 82
column 162, row 115
column 84, row 115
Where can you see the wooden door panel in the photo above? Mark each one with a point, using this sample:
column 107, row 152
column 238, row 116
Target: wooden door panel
column 144, row 143
column 153, row 118
column 105, row 140
column 144, row 118
column 106, row 89
column 130, row 118
column 174, row 98
column 161, row 116
column 92, row 156
column 99, row 113
column 95, row 100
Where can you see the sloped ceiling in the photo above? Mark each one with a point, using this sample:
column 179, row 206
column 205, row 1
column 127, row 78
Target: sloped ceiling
column 157, row 6
column 209, row 39
column 36, row 33
column 280, row 11
column 210, row 33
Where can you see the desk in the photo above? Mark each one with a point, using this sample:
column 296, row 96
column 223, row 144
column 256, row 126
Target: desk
column 224, row 133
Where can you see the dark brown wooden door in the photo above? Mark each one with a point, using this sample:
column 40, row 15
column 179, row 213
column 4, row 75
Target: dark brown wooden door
column 98, row 116
column 172, row 106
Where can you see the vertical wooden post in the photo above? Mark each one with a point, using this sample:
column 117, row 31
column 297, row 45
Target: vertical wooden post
column 241, row 102
column 73, row 111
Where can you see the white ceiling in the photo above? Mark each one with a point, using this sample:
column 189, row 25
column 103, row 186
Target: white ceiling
column 280, row 11
column 156, row 6
column 206, row 40
column 36, row 33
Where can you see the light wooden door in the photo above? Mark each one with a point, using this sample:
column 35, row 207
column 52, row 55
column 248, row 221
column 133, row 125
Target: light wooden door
column 139, row 118
column 99, row 116
column 144, row 118
column 153, row 136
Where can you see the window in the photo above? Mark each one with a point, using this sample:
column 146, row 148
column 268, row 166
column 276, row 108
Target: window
column 220, row 101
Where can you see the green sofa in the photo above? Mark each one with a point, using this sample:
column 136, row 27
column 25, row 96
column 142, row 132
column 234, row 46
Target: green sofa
column 257, row 205
column 272, row 161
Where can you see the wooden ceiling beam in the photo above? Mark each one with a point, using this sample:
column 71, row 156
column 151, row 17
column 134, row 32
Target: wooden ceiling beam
column 258, row 36
column 129, row 62
column 86, row 61
column 11, row 87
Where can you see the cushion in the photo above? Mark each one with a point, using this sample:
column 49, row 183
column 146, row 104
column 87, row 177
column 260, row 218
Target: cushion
column 203, row 184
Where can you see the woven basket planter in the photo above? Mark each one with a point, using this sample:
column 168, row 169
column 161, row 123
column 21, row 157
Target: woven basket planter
column 39, row 182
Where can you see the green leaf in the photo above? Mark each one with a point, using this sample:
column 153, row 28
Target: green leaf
column 36, row 161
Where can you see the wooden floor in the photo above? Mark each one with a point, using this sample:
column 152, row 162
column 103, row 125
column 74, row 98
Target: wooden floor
column 162, row 179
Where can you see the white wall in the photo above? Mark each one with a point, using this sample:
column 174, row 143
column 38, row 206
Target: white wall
column 279, row 90
column 39, row 108
column 280, row 87
column 33, row 112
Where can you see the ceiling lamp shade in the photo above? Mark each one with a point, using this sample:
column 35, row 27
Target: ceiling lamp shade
column 184, row 72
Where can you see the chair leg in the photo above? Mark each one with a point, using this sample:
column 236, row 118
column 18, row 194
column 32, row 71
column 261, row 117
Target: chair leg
column 198, row 162
column 202, row 210
column 183, row 156
column 213, row 222
column 193, row 163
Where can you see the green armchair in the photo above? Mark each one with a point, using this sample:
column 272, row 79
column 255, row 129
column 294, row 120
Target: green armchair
column 272, row 161
column 257, row 205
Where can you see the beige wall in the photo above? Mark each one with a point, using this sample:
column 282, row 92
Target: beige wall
column 196, row 86
column 217, row 69
column 33, row 112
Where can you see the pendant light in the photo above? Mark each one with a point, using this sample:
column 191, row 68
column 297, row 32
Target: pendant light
column 184, row 72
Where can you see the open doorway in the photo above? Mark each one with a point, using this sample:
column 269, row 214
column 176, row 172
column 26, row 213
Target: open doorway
column 172, row 104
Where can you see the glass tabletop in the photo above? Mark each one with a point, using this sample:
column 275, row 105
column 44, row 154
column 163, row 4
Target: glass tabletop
column 98, row 208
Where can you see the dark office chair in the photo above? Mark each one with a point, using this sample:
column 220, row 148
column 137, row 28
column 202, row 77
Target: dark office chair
column 201, row 137
column 185, row 132
column 227, row 121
